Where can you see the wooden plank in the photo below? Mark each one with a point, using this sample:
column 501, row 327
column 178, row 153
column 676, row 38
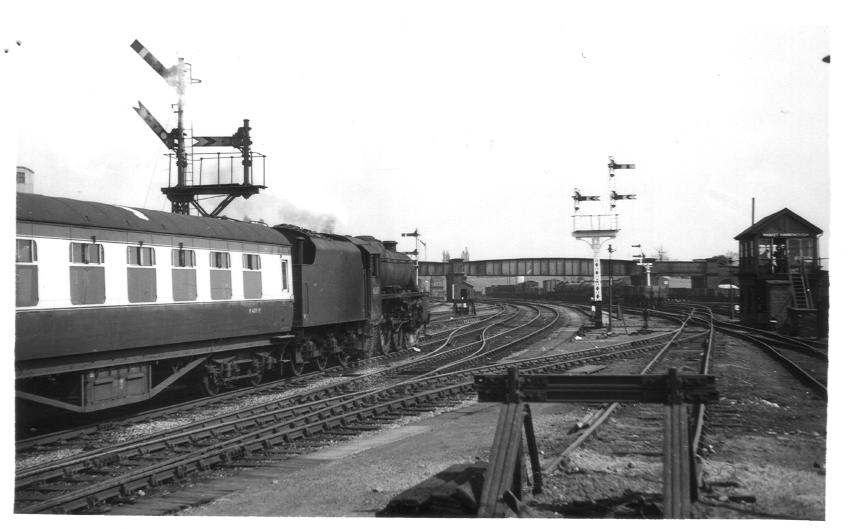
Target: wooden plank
column 677, row 464
column 533, row 453
column 503, row 456
column 488, row 496
column 586, row 370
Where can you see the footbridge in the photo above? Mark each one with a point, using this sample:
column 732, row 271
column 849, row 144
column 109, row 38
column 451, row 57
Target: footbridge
column 703, row 273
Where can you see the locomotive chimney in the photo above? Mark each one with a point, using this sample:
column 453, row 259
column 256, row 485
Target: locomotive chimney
column 390, row 245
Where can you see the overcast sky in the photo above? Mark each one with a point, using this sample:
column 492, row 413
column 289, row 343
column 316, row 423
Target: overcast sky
column 472, row 122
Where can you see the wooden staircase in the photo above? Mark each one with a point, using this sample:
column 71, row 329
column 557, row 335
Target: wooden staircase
column 800, row 289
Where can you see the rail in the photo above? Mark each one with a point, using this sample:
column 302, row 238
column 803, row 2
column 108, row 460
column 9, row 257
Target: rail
column 268, row 428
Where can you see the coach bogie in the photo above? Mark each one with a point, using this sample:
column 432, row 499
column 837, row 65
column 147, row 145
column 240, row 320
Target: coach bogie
column 294, row 357
column 211, row 383
column 228, row 372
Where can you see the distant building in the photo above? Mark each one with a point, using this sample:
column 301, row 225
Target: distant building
column 437, row 287
column 25, row 177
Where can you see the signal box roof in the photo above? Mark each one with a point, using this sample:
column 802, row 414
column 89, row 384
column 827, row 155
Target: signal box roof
column 783, row 223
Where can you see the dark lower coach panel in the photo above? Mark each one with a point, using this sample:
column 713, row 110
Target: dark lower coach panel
column 45, row 334
column 102, row 357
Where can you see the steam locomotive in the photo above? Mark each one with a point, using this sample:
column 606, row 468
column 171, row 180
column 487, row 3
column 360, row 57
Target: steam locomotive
column 116, row 304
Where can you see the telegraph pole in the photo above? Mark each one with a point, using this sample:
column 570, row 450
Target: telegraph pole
column 610, row 288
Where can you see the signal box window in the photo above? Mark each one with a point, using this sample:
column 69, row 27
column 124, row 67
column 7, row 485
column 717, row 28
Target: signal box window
column 26, row 273
column 184, row 281
column 220, row 285
column 252, row 279
column 88, row 286
column 141, row 274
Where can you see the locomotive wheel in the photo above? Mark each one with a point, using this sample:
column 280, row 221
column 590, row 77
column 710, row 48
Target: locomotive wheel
column 211, row 384
column 344, row 358
column 257, row 375
column 398, row 339
column 321, row 362
column 409, row 339
column 296, row 368
column 367, row 346
column 385, row 340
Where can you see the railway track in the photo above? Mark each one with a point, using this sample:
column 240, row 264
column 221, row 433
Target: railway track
column 438, row 339
column 86, row 480
column 686, row 349
column 119, row 472
column 630, row 446
column 801, row 358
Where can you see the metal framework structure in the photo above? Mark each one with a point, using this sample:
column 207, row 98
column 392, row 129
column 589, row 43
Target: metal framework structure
column 596, row 230
column 415, row 253
column 186, row 192
column 645, row 263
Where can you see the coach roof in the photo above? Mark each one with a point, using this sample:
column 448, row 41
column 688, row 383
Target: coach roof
column 71, row 212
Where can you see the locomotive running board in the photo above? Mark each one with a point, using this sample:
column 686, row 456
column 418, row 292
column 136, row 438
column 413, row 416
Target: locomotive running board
column 402, row 295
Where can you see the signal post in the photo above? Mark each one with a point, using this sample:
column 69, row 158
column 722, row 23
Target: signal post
column 596, row 230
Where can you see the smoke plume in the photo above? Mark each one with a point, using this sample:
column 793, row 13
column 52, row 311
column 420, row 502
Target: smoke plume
column 273, row 210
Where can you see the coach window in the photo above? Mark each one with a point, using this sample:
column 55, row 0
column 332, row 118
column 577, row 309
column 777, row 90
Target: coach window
column 87, row 274
column 26, row 273
column 184, row 281
column 251, row 276
column 283, row 266
column 141, row 274
column 220, row 286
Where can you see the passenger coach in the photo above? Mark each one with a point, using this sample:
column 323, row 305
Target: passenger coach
column 115, row 304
